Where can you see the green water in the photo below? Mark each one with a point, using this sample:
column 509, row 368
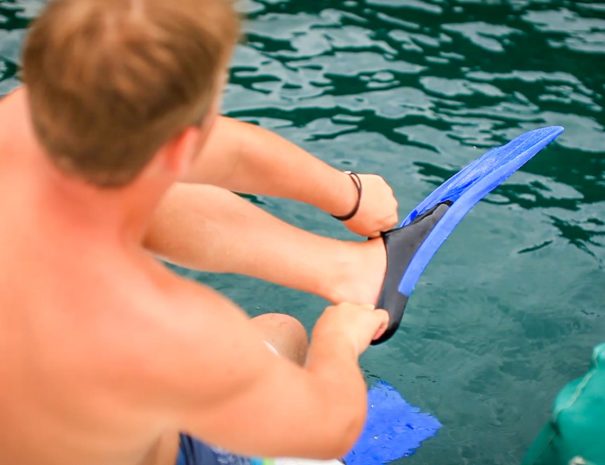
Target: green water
column 510, row 308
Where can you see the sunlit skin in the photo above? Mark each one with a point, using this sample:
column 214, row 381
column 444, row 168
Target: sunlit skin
column 205, row 227
column 201, row 224
column 105, row 354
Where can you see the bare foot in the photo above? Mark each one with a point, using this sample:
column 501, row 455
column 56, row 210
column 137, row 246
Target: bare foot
column 361, row 273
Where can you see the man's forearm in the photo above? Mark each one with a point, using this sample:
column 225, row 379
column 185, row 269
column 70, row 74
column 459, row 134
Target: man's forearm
column 245, row 158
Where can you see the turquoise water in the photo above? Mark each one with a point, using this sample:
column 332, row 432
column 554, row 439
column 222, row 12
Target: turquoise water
column 510, row 308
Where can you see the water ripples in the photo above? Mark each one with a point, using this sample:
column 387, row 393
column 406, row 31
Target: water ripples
column 414, row 90
column 452, row 78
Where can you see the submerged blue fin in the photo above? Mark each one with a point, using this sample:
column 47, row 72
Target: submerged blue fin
column 411, row 246
column 393, row 428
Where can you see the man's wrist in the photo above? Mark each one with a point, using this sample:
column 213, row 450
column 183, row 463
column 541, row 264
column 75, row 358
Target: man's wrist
column 359, row 189
column 344, row 195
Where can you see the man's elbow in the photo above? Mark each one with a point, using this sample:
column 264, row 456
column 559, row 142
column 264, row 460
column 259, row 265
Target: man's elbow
column 348, row 438
column 343, row 435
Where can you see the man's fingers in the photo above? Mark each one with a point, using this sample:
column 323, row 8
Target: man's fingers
column 382, row 322
column 391, row 221
column 385, row 224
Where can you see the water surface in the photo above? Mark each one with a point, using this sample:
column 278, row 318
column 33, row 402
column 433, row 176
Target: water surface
column 509, row 309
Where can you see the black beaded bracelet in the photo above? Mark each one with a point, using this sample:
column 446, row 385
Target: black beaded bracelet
column 357, row 181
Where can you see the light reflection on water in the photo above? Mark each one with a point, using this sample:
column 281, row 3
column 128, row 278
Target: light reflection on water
column 414, row 89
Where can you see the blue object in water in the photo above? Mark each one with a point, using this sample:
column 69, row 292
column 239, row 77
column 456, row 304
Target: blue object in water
column 425, row 229
column 393, row 429
column 466, row 188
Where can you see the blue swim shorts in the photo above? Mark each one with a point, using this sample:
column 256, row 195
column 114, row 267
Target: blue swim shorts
column 194, row 452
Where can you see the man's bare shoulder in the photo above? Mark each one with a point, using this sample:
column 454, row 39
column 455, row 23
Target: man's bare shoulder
column 11, row 93
column 194, row 341
column 7, row 101
column 192, row 306
column 16, row 132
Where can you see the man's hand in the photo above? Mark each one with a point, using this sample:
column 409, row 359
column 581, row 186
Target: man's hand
column 377, row 210
column 357, row 324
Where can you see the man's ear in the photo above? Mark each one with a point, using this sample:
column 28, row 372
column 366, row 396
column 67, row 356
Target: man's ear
column 180, row 151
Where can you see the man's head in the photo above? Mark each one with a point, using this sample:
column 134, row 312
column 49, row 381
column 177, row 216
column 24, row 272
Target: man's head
column 111, row 81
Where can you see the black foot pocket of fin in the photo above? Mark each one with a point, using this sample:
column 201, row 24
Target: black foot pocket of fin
column 401, row 245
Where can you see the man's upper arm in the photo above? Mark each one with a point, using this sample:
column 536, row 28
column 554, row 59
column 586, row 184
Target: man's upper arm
column 234, row 392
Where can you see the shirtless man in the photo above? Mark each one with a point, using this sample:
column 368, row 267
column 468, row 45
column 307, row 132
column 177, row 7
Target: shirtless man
column 105, row 356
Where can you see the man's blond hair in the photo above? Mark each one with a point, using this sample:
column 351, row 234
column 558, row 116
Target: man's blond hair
column 110, row 81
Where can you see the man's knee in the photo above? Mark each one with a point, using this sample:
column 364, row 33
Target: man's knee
column 285, row 333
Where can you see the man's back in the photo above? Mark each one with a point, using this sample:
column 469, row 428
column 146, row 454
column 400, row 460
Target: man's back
column 78, row 321
column 67, row 365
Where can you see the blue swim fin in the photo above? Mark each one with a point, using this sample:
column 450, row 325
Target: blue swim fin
column 411, row 246
column 393, row 429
